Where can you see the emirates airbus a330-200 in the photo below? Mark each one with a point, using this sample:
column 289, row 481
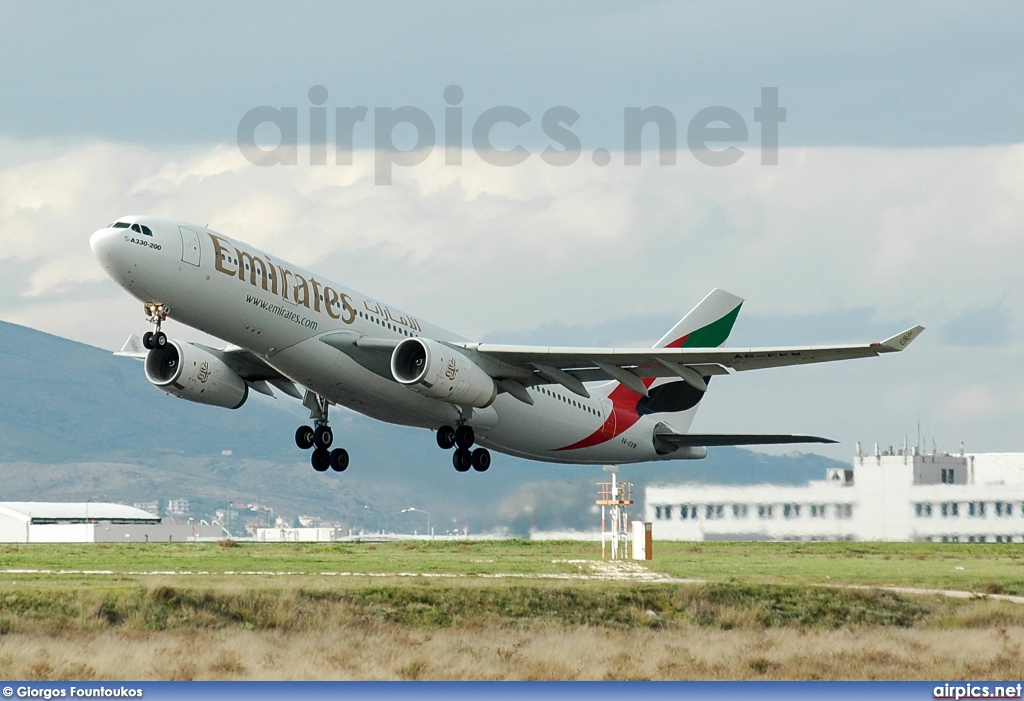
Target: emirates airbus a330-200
column 318, row 341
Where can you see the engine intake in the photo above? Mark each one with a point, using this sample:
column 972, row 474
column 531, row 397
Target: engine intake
column 195, row 374
column 435, row 370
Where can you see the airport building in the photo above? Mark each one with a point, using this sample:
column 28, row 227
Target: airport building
column 93, row 522
column 893, row 495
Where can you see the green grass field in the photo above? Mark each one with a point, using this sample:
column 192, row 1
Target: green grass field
column 983, row 568
column 514, row 610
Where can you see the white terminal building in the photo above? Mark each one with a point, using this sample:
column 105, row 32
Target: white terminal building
column 893, row 495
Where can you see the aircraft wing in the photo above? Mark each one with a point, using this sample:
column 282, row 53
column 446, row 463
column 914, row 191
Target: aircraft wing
column 570, row 367
column 244, row 363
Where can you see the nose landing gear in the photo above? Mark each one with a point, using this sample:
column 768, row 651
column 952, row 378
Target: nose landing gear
column 156, row 313
column 462, row 438
column 320, row 437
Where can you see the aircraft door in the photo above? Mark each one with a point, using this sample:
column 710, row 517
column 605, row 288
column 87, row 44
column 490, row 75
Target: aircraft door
column 608, row 428
column 189, row 245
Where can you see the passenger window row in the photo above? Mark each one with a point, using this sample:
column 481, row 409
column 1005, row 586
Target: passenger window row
column 567, row 400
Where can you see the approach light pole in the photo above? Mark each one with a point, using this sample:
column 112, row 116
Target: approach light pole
column 420, row 511
column 380, row 516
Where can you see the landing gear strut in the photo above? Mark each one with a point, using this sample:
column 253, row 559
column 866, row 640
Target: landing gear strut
column 462, row 438
column 320, row 437
column 156, row 313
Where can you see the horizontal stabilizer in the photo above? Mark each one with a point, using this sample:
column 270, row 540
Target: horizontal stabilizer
column 685, row 440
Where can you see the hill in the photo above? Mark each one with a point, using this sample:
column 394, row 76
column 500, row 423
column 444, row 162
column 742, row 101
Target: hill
column 77, row 423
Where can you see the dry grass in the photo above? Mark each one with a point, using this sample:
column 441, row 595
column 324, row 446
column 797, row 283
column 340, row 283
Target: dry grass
column 761, row 615
column 535, row 653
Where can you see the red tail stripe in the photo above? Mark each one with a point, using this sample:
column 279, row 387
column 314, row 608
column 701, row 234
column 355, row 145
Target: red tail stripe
column 623, row 415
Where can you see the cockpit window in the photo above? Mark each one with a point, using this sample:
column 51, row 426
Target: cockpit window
column 120, row 225
column 146, row 230
column 136, row 229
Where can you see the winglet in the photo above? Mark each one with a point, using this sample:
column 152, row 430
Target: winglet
column 132, row 348
column 900, row 340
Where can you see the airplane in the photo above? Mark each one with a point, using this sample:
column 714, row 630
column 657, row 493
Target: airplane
column 288, row 328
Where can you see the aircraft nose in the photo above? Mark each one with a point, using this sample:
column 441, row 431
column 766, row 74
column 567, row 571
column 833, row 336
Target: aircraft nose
column 102, row 243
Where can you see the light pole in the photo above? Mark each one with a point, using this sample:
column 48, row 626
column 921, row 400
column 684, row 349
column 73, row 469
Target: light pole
column 421, row 511
column 380, row 516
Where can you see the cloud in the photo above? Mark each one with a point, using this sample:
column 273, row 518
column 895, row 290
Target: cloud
column 985, row 327
column 834, row 244
column 909, row 233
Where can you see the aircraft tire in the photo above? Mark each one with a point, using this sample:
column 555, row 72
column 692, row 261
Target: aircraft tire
column 481, row 459
column 445, row 437
column 339, row 459
column 321, row 460
column 147, row 341
column 159, row 339
column 323, row 436
column 304, row 437
column 462, row 460
column 464, row 436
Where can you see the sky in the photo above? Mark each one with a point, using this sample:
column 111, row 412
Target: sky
column 895, row 196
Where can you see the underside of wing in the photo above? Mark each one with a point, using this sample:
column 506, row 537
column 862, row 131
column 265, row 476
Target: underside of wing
column 251, row 368
column 244, row 363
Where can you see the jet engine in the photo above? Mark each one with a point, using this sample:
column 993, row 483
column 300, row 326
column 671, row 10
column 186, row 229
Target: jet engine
column 195, row 374
column 437, row 371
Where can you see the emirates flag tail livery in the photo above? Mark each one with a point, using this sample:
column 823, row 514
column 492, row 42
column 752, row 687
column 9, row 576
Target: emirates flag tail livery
column 313, row 339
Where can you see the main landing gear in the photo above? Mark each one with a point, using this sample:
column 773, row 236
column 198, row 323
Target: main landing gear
column 320, row 437
column 462, row 438
column 156, row 313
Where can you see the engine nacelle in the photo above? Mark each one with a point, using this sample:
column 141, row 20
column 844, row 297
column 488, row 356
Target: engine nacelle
column 197, row 375
column 434, row 369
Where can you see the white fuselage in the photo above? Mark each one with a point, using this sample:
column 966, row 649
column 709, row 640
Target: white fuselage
column 278, row 311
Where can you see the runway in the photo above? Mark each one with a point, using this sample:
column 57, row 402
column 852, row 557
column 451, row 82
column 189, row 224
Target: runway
column 590, row 570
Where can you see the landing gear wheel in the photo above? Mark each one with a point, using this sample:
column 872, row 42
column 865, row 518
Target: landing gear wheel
column 464, row 436
column 323, row 436
column 462, row 460
column 321, row 460
column 156, row 313
column 304, row 437
column 339, row 459
column 445, row 437
column 481, row 458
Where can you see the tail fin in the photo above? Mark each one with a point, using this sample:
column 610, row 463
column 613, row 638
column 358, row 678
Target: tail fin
column 707, row 325
column 674, row 400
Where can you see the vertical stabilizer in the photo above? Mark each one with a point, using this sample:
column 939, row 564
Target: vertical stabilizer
column 707, row 325
column 672, row 401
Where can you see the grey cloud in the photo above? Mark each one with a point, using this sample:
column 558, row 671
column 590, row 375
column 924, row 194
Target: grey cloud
column 989, row 327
